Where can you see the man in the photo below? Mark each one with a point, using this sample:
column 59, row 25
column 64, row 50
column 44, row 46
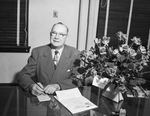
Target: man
column 40, row 75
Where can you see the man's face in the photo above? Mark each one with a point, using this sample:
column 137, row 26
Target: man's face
column 58, row 35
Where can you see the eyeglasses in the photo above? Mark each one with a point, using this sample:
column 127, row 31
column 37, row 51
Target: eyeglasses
column 61, row 35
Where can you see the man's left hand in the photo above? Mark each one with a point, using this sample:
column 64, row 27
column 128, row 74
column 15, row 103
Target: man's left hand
column 51, row 88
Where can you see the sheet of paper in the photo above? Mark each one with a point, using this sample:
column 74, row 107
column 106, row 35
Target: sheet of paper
column 73, row 100
column 78, row 104
column 44, row 97
column 69, row 93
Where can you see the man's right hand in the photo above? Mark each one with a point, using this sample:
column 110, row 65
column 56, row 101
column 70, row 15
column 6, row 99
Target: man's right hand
column 36, row 89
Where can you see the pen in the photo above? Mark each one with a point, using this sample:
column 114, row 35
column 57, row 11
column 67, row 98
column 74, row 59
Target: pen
column 41, row 87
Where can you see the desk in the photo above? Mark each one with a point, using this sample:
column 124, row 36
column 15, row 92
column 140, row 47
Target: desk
column 15, row 102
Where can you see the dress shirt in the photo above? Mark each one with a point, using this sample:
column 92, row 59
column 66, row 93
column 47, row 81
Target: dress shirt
column 59, row 54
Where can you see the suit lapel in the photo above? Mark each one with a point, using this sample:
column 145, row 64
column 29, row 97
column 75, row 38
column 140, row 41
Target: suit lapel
column 64, row 57
column 48, row 63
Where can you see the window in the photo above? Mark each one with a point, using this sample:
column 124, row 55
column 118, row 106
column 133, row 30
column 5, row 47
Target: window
column 14, row 26
column 118, row 19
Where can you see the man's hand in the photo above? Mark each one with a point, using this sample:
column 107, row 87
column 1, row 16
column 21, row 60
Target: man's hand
column 36, row 89
column 51, row 88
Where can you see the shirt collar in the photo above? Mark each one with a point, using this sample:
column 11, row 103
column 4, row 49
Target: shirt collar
column 59, row 50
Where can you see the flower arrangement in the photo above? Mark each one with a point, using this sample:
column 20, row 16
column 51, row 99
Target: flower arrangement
column 122, row 65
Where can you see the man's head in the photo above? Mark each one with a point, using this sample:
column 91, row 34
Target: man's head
column 58, row 35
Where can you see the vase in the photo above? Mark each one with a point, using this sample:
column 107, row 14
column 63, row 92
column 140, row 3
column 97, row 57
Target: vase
column 113, row 93
column 107, row 104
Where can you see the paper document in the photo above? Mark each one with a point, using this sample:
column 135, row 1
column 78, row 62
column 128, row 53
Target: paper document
column 101, row 83
column 44, row 97
column 73, row 100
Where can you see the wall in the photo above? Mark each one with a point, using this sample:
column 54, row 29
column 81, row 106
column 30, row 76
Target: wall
column 79, row 15
column 40, row 22
column 41, row 19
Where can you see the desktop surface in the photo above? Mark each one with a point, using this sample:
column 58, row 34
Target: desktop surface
column 16, row 102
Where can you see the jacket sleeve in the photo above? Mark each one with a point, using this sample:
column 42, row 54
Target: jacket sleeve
column 27, row 74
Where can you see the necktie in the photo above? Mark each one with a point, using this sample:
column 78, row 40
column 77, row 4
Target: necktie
column 56, row 58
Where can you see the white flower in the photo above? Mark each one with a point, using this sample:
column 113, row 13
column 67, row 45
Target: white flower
column 125, row 47
column 105, row 40
column 132, row 52
column 122, row 37
column 122, row 79
column 120, row 49
column 136, row 40
column 97, row 41
column 102, row 50
column 116, row 51
column 143, row 50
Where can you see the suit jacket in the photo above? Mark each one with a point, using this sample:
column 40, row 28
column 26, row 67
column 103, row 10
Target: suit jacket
column 40, row 68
